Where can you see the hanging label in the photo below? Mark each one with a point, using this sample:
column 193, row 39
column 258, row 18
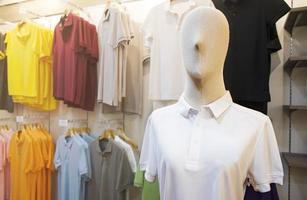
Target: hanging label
column 63, row 122
column 19, row 119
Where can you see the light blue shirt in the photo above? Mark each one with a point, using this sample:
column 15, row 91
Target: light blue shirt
column 86, row 140
column 71, row 163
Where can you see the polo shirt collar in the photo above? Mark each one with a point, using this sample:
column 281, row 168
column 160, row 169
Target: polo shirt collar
column 108, row 148
column 68, row 21
column 106, row 15
column 217, row 107
column 169, row 7
column 22, row 31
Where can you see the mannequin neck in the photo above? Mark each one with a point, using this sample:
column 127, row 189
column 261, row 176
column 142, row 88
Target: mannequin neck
column 199, row 92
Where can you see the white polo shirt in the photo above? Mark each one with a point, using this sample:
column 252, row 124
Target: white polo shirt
column 161, row 32
column 211, row 153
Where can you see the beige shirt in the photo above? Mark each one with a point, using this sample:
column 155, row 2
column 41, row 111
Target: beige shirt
column 112, row 34
column 137, row 54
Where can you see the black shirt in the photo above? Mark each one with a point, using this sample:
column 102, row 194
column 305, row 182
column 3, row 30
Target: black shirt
column 253, row 37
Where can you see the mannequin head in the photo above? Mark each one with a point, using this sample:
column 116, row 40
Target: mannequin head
column 204, row 42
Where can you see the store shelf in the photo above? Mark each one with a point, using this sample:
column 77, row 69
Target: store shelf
column 297, row 17
column 295, row 159
column 295, row 107
column 295, row 62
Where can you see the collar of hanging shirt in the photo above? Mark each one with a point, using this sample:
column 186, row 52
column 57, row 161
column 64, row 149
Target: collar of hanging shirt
column 179, row 9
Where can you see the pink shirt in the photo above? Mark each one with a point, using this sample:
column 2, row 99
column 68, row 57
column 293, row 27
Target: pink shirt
column 7, row 136
column 2, row 166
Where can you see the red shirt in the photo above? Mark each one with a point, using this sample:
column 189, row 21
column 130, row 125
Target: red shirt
column 65, row 60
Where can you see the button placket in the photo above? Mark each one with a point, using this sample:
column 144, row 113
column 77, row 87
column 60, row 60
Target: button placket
column 194, row 146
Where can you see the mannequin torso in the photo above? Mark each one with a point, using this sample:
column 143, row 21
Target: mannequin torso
column 205, row 146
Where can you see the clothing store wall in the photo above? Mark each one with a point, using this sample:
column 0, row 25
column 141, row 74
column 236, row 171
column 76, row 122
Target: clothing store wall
column 134, row 124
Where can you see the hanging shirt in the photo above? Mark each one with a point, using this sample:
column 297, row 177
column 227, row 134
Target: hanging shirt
column 161, row 31
column 7, row 179
column 71, row 162
column 29, row 54
column 112, row 32
column 137, row 54
column 23, row 50
column 129, row 152
column 247, row 67
column 66, row 43
column 2, row 167
column 222, row 147
column 21, row 159
column 112, row 174
column 6, row 102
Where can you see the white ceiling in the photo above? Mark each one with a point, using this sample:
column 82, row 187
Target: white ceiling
column 16, row 10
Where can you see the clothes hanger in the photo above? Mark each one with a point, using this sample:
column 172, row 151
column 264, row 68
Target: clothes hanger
column 107, row 134
column 124, row 137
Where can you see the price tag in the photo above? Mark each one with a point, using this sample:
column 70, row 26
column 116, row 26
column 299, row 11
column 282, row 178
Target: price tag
column 19, row 119
column 63, row 122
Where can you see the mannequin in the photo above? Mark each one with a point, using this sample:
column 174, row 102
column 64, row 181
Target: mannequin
column 205, row 146
column 203, row 57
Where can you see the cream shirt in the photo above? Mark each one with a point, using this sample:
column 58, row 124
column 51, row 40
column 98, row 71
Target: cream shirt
column 211, row 153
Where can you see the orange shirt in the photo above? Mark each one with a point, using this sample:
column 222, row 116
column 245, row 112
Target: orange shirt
column 21, row 159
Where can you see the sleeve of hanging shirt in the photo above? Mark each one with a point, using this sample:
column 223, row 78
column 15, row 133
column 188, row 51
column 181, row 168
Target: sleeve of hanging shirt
column 125, row 174
column 274, row 10
column 273, row 39
column 266, row 166
column 57, row 156
column 83, row 162
column 148, row 29
column 118, row 32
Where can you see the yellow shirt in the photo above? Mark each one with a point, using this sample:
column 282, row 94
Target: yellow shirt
column 38, row 92
column 23, row 60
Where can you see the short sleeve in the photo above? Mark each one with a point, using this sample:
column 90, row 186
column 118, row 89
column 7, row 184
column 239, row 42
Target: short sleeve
column 274, row 10
column 118, row 32
column 147, row 29
column 125, row 175
column 83, row 162
column 148, row 161
column 273, row 39
column 95, row 48
column 266, row 167
column 45, row 43
column 57, row 156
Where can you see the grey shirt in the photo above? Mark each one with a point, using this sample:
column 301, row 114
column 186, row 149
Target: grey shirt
column 111, row 172
column 6, row 102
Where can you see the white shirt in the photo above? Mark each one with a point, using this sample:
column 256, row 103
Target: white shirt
column 129, row 152
column 211, row 153
column 161, row 33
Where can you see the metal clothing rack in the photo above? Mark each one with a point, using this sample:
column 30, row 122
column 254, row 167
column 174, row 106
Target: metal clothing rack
column 297, row 17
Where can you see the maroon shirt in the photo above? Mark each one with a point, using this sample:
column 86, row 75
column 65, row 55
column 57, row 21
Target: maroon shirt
column 91, row 84
column 65, row 60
